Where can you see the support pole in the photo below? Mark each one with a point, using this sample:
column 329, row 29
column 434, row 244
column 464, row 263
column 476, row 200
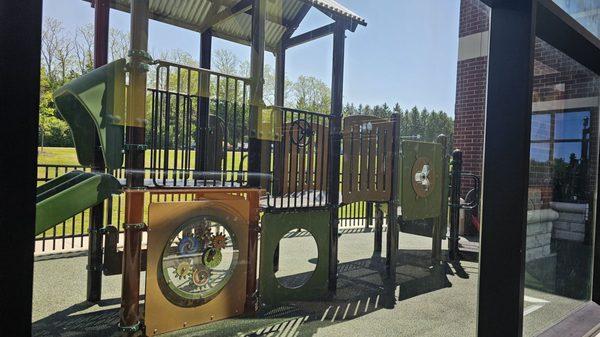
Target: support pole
column 335, row 128
column 393, row 216
column 203, row 104
column 453, row 252
column 368, row 215
column 255, row 147
column 20, row 38
column 134, row 164
column 257, row 81
column 440, row 225
column 278, row 146
column 94, row 268
column 378, row 229
column 506, row 168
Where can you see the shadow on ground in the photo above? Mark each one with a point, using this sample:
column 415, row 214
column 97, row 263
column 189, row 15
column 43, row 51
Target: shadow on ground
column 362, row 288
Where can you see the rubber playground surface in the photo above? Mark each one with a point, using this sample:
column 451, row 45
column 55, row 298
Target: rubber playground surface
column 430, row 301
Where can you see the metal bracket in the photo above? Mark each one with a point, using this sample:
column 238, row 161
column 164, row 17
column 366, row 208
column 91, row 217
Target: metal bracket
column 100, row 231
column 136, row 226
column 130, row 328
column 134, row 188
column 144, row 62
column 135, row 147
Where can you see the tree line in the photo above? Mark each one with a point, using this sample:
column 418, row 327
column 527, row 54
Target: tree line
column 69, row 54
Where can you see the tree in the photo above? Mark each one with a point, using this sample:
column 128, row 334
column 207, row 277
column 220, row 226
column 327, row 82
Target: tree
column 118, row 44
column 56, row 51
column 312, row 94
column 84, row 48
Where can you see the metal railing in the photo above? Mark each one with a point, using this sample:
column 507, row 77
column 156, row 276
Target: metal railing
column 73, row 233
column 198, row 127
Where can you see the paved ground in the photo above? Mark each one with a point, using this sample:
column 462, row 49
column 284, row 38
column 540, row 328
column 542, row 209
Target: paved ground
column 432, row 301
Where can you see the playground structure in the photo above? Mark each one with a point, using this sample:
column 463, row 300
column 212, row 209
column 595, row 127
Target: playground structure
column 225, row 167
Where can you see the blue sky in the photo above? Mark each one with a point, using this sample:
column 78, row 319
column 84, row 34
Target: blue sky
column 406, row 54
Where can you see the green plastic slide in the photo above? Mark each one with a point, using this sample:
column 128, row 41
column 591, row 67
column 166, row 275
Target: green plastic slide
column 65, row 196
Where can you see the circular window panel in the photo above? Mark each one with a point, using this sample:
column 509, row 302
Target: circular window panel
column 198, row 261
column 298, row 257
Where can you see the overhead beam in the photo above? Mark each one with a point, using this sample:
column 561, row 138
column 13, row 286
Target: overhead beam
column 564, row 33
column 295, row 22
column 348, row 23
column 311, row 35
column 241, row 6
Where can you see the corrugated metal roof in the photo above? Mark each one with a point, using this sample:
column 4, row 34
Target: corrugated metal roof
column 198, row 15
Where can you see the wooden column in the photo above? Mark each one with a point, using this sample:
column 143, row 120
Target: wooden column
column 134, row 163
column 335, row 127
column 94, row 268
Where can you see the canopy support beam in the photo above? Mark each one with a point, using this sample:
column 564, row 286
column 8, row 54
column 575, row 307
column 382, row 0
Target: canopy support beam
column 311, row 35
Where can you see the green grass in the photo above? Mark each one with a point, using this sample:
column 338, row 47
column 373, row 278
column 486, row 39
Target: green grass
column 57, row 156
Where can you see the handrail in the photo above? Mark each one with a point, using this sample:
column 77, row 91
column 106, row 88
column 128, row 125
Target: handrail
column 162, row 63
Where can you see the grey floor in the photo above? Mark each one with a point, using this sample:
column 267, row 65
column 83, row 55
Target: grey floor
column 431, row 301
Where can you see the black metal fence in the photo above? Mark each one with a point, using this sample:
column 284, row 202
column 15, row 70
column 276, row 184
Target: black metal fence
column 73, row 233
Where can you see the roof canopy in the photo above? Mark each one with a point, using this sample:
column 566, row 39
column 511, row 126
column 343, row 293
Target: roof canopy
column 232, row 19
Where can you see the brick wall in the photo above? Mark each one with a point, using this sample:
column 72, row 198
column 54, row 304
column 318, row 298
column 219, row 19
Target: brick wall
column 556, row 77
column 471, row 82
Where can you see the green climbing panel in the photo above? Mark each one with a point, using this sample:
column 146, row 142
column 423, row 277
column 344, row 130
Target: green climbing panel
column 420, row 182
column 274, row 227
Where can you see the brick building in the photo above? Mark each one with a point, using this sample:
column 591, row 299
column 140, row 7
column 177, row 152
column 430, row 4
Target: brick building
column 564, row 131
column 564, row 92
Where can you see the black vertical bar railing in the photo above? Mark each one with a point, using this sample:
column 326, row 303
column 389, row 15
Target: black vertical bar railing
column 198, row 123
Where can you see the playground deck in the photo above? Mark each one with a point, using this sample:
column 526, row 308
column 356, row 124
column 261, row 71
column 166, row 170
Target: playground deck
column 432, row 302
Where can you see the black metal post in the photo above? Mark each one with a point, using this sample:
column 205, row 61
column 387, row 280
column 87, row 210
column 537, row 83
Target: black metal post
column 441, row 223
column 378, row 229
column 277, row 147
column 506, row 168
column 94, row 267
column 335, row 128
column 453, row 252
column 257, row 61
column 368, row 215
column 203, row 104
column 20, row 38
column 393, row 216
column 393, row 220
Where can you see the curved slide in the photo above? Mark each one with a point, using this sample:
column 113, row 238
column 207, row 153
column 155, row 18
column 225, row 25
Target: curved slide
column 65, row 196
